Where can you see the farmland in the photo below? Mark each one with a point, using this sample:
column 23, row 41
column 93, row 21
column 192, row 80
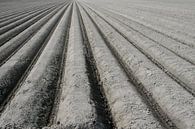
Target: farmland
column 97, row 64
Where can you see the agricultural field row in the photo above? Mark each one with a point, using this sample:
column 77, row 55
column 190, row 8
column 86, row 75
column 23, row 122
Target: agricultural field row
column 86, row 65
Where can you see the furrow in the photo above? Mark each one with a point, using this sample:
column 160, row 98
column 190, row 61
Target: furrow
column 15, row 68
column 15, row 19
column 177, row 68
column 8, row 16
column 19, row 20
column 12, row 46
column 31, row 105
column 15, row 31
column 75, row 107
column 126, row 105
column 172, row 104
column 181, row 38
column 26, row 10
column 97, row 93
column 97, row 64
column 183, row 51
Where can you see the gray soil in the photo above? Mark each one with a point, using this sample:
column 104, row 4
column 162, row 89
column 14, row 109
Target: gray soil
column 97, row 64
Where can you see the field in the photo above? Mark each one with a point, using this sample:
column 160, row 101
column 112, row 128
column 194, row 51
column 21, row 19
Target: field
column 97, row 64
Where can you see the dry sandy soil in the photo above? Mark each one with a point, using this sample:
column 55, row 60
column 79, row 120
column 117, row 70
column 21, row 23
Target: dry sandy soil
column 97, row 64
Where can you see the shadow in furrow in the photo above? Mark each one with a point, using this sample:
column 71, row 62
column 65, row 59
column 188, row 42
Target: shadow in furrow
column 97, row 93
column 54, row 110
